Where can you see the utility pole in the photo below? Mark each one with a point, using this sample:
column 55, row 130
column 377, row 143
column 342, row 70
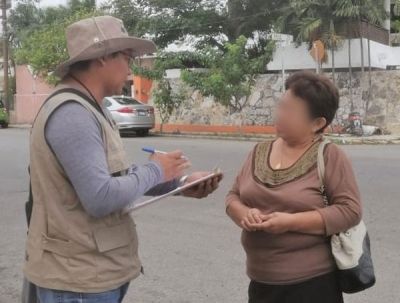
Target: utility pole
column 4, row 5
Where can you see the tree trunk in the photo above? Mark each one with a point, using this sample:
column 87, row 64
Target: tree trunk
column 350, row 78
column 332, row 30
column 362, row 55
column 369, row 76
column 361, row 43
column 333, row 66
column 10, row 71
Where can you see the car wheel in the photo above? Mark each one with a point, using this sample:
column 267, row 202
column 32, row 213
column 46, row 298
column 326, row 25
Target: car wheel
column 142, row 132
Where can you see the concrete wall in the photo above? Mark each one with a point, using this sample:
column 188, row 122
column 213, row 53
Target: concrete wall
column 381, row 109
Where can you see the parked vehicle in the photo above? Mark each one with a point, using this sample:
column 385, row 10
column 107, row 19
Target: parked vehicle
column 355, row 124
column 130, row 114
column 4, row 119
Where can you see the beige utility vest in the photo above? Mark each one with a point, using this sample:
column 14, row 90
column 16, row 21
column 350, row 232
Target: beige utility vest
column 67, row 249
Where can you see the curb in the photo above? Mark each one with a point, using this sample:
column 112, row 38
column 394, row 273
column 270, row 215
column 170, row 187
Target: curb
column 20, row 126
column 366, row 141
column 228, row 137
column 338, row 139
column 345, row 140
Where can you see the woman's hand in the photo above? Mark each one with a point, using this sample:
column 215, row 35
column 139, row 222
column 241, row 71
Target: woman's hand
column 275, row 223
column 252, row 219
column 310, row 222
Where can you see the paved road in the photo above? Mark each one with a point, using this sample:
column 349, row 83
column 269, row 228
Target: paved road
column 190, row 250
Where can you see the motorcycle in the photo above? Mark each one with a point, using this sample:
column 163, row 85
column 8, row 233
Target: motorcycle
column 355, row 124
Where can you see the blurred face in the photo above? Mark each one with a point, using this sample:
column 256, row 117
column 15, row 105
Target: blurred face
column 293, row 120
column 115, row 71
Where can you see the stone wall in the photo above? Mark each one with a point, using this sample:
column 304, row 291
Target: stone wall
column 382, row 110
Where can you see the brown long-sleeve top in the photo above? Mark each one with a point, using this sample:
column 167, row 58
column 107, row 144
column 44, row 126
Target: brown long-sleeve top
column 294, row 257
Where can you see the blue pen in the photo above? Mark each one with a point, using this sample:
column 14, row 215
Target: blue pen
column 153, row 151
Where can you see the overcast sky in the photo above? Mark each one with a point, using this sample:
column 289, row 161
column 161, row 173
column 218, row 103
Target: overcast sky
column 52, row 2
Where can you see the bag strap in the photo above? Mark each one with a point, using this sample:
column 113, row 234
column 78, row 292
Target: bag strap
column 321, row 169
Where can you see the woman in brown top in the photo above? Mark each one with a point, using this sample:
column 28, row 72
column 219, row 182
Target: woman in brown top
column 276, row 200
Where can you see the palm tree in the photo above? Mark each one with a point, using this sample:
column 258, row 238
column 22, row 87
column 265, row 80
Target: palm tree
column 370, row 11
column 374, row 13
column 350, row 68
column 310, row 20
column 332, row 41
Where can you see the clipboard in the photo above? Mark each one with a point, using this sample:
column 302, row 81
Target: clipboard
column 216, row 173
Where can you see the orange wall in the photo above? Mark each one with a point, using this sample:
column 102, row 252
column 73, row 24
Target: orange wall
column 142, row 88
column 29, row 97
column 217, row 129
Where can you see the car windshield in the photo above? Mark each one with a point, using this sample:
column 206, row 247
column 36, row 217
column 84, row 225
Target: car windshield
column 126, row 101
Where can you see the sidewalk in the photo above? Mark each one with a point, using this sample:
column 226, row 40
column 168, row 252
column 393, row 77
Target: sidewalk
column 27, row 126
column 343, row 139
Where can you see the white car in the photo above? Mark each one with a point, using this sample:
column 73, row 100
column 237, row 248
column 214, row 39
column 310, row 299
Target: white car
column 130, row 114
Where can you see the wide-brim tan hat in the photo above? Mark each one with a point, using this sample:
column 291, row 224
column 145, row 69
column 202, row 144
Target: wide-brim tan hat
column 97, row 37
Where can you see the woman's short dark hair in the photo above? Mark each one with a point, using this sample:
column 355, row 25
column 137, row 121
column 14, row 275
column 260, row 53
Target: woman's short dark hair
column 319, row 93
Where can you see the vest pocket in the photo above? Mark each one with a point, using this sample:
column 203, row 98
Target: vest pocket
column 112, row 237
column 65, row 248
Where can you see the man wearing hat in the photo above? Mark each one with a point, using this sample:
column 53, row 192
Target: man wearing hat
column 81, row 246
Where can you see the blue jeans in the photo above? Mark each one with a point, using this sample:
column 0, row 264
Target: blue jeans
column 58, row 296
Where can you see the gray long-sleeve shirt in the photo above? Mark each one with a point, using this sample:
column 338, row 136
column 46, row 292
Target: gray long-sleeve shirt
column 74, row 135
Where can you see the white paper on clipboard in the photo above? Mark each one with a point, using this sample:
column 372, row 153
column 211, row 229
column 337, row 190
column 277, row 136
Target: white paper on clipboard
column 216, row 173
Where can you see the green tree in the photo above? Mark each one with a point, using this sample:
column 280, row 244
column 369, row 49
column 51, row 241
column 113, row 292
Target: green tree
column 210, row 23
column 75, row 5
column 356, row 11
column 227, row 76
column 131, row 12
column 166, row 101
column 230, row 76
column 330, row 21
column 27, row 16
column 371, row 11
column 46, row 47
column 309, row 20
column 164, row 98
column 395, row 17
column 24, row 19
